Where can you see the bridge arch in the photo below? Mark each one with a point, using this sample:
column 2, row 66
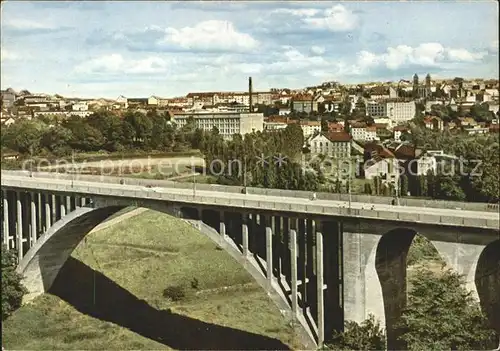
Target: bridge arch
column 487, row 280
column 42, row 263
column 390, row 264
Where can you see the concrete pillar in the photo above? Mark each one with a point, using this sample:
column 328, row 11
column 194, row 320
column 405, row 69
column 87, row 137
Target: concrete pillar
column 462, row 258
column 5, row 218
column 53, row 208
column 269, row 252
column 33, row 218
column 83, row 201
column 62, row 206
column 286, row 250
column 222, row 226
column 68, row 204
column 19, row 213
column 40, row 213
column 319, row 288
column 293, row 269
column 302, row 262
column 48, row 213
column 244, row 239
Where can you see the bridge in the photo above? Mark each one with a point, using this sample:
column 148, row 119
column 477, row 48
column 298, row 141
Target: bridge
column 322, row 262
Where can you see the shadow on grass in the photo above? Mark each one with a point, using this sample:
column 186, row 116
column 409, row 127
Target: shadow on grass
column 75, row 285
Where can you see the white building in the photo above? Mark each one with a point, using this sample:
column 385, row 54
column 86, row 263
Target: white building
column 153, row 101
column 274, row 125
column 336, row 145
column 284, row 111
column 228, row 124
column 80, row 106
column 400, row 111
column 80, row 113
column 384, row 120
column 310, row 127
column 430, row 160
column 122, row 101
column 387, row 168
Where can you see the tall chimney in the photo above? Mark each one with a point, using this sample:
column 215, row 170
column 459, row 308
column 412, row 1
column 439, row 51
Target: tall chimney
column 250, row 102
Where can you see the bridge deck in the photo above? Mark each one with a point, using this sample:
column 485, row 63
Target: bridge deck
column 438, row 216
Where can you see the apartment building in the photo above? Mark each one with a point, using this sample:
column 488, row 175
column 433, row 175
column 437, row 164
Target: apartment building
column 310, row 127
column 228, row 123
column 376, row 109
column 362, row 132
column 8, row 98
column 80, row 106
column 336, row 145
column 304, row 103
column 400, row 111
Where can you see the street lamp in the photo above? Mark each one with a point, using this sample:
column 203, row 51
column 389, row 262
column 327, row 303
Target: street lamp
column 72, row 167
column 245, row 174
column 31, row 161
column 194, row 181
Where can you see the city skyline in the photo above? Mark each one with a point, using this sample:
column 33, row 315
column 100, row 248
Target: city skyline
column 103, row 49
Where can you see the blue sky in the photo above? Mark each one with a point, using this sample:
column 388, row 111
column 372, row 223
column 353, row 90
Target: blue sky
column 106, row 49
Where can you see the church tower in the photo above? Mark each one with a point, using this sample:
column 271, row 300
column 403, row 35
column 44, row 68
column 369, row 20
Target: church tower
column 415, row 86
column 427, row 85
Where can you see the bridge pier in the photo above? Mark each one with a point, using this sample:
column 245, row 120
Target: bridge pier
column 48, row 212
column 362, row 289
column 5, row 215
column 462, row 258
column 33, row 218
column 267, row 222
column 19, row 224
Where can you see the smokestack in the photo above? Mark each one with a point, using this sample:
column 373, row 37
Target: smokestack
column 250, row 102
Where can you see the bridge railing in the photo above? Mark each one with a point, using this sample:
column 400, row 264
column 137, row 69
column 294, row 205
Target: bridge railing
column 264, row 204
column 381, row 200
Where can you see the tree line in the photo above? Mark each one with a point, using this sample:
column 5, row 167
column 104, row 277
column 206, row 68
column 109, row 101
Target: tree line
column 100, row 131
column 473, row 176
column 269, row 159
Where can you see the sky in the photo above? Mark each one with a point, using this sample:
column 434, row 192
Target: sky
column 138, row 49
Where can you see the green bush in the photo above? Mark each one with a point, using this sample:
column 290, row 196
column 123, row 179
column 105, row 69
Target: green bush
column 12, row 289
column 368, row 335
column 195, row 284
column 175, row 292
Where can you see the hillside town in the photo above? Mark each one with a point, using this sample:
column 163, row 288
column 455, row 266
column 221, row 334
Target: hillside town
column 370, row 121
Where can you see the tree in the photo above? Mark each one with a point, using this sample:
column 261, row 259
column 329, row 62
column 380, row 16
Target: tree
column 404, row 185
column 57, row 140
column 12, row 288
column 368, row 335
column 25, row 136
column 110, row 125
column 293, row 140
column 442, row 315
column 481, row 112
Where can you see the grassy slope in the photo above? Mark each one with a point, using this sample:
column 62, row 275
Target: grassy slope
column 144, row 255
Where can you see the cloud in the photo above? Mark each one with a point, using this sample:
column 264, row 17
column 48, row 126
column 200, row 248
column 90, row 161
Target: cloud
column 8, row 55
column 116, row 64
column 26, row 24
column 22, row 26
column 336, row 19
column 297, row 12
column 209, row 35
column 424, row 55
column 317, row 50
column 463, row 55
column 206, row 36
